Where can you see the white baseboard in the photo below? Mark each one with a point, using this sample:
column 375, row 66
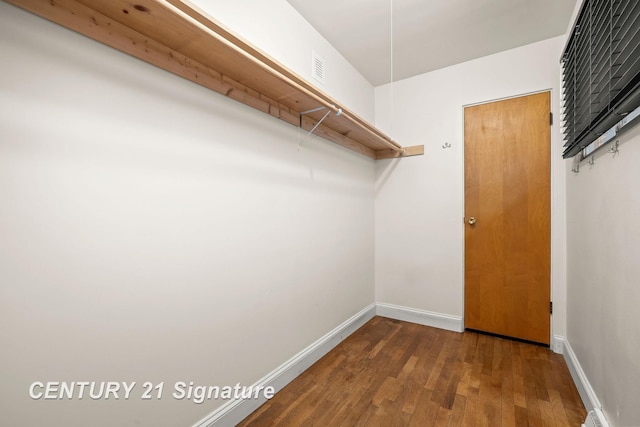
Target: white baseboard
column 587, row 394
column 234, row 411
column 421, row 317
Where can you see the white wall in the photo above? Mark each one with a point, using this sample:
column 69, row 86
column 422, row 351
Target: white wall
column 603, row 232
column 603, row 207
column 151, row 230
column 419, row 201
column 276, row 28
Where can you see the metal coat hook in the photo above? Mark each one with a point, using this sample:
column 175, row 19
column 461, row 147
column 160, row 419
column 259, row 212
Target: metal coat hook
column 613, row 148
column 576, row 169
column 446, row 145
column 592, row 161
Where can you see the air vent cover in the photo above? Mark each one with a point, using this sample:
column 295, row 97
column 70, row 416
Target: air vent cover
column 317, row 67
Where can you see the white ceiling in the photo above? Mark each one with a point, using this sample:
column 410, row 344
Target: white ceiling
column 430, row 34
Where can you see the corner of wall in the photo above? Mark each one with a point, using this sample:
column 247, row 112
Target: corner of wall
column 234, row 411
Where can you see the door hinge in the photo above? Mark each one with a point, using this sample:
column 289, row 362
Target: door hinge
column 550, row 307
column 550, row 119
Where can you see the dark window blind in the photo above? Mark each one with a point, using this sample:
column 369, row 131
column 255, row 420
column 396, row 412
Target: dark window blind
column 601, row 70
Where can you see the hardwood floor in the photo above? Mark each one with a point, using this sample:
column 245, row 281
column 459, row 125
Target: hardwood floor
column 392, row 373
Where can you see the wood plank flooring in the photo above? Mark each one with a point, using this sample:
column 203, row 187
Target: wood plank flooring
column 391, row 373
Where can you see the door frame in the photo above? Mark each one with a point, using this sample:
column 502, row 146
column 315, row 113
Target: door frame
column 556, row 343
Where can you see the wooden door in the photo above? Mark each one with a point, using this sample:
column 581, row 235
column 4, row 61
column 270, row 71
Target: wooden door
column 507, row 194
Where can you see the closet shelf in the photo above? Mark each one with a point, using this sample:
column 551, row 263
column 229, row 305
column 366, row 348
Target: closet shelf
column 179, row 38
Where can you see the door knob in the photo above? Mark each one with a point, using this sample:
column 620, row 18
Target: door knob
column 472, row 221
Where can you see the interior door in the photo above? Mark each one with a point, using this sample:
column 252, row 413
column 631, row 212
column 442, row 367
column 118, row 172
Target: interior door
column 507, row 217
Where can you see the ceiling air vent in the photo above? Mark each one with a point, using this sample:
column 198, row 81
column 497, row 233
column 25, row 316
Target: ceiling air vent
column 317, row 67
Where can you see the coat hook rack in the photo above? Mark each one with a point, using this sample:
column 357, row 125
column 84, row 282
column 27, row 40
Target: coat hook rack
column 613, row 148
column 446, row 145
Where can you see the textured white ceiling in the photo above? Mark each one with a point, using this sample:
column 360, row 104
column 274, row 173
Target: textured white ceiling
column 430, row 34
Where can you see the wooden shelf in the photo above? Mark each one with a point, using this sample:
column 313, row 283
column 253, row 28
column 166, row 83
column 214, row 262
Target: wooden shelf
column 177, row 37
